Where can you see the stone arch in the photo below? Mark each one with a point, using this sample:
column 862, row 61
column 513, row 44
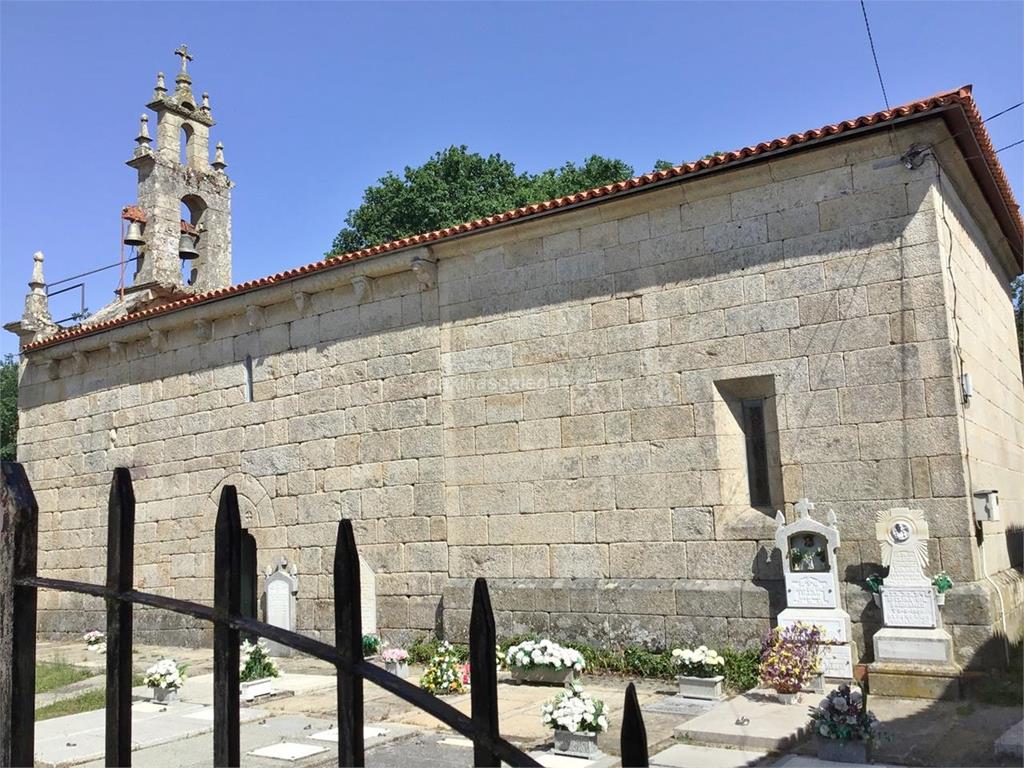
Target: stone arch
column 254, row 504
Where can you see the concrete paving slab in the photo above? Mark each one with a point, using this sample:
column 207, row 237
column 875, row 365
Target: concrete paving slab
column 198, row 689
column 680, row 705
column 370, row 732
column 753, row 720
column 1011, row 743
column 803, row 761
column 690, row 755
column 551, row 760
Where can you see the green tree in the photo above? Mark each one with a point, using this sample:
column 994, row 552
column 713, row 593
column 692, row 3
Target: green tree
column 8, row 407
column 456, row 185
column 1017, row 292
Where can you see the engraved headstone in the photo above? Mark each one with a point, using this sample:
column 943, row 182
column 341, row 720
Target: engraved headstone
column 279, row 602
column 367, row 597
column 812, row 584
column 913, row 632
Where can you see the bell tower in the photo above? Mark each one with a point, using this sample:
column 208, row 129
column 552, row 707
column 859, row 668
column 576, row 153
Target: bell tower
column 181, row 224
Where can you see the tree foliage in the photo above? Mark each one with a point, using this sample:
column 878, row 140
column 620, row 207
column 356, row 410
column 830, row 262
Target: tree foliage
column 1017, row 292
column 456, row 185
column 8, row 407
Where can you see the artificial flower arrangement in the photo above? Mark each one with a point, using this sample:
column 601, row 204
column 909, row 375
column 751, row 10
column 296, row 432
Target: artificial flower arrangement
column 843, row 715
column 394, row 655
column 396, row 661
column 942, row 582
column 445, row 673
column 371, row 645
column 256, row 663
column 790, row 656
column 544, row 653
column 575, row 711
column 166, row 675
column 699, row 662
column 95, row 640
column 845, row 727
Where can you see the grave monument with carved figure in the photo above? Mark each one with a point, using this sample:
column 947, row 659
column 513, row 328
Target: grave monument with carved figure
column 913, row 652
column 813, row 587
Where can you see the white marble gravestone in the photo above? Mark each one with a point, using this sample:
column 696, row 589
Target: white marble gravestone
column 367, row 597
column 813, row 586
column 279, row 602
column 913, row 630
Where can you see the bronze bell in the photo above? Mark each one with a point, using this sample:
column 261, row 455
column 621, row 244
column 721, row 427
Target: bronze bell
column 134, row 234
column 187, row 246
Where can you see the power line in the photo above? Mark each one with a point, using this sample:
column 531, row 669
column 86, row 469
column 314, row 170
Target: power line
column 874, row 55
column 1010, row 145
column 1008, row 109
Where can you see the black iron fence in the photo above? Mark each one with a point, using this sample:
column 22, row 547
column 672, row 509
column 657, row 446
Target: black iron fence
column 19, row 585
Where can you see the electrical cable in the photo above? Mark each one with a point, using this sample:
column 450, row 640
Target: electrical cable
column 874, row 55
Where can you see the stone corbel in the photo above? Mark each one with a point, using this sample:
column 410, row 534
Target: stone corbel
column 301, row 300
column 79, row 361
column 425, row 271
column 117, row 350
column 253, row 316
column 363, row 286
column 157, row 340
column 204, row 328
column 52, row 368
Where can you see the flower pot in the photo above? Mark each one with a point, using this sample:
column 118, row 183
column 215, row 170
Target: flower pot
column 542, row 675
column 577, row 744
column 940, row 598
column 786, row 698
column 164, row 695
column 253, row 688
column 836, row 751
column 399, row 668
column 876, row 598
column 709, row 688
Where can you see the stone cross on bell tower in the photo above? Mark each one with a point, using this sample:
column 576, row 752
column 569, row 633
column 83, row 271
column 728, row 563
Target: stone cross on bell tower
column 184, row 200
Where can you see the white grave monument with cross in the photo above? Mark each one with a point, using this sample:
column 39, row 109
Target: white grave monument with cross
column 812, row 585
column 913, row 630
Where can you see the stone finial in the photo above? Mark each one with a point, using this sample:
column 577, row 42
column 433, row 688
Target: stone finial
column 161, row 87
column 143, row 139
column 804, row 507
column 218, row 157
column 206, row 102
column 37, row 307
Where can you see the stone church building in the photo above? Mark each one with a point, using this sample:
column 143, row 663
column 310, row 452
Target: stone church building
column 598, row 402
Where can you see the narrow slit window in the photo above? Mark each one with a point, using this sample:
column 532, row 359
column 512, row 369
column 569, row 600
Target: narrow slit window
column 757, row 452
column 248, row 379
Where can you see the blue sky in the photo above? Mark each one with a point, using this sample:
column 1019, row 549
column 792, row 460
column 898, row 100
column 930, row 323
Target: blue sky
column 314, row 101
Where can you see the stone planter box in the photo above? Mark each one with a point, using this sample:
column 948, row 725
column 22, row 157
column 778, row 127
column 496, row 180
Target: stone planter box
column 940, row 598
column 254, row 688
column 542, row 675
column 786, row 698
column 709, row 688
column 164, row 695
column 816, row 683
column 843, row 751
column 575, row 744
column 399, row 668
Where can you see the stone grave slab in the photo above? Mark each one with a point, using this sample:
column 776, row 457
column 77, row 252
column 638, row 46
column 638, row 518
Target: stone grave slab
column 288, row 750
column 1011, row 743
column 280, row 602
column 754, row 720
column 681, row 706
column 691, row 755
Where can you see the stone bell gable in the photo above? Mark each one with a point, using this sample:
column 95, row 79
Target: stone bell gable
column 599, row 403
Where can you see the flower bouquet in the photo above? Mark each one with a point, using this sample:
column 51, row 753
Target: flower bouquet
column 95, row 641
column 258, row 671
column 845, row 729
column 700, row 672
column 874, row 585
column 790, row 656
column 577, row 718
column 396, row 661
column 445, row 673
column 543, row 661
column 164, row 679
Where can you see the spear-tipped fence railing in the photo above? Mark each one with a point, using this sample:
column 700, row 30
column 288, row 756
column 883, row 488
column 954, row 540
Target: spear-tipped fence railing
column 19, row 584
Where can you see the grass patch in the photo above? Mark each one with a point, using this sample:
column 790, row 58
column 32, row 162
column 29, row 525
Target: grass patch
column 51, row 675
column 85, row 702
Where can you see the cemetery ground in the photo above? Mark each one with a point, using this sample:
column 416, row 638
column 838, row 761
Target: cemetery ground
column 295, row 727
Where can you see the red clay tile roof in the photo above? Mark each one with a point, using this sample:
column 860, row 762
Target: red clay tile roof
column 961, row 96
